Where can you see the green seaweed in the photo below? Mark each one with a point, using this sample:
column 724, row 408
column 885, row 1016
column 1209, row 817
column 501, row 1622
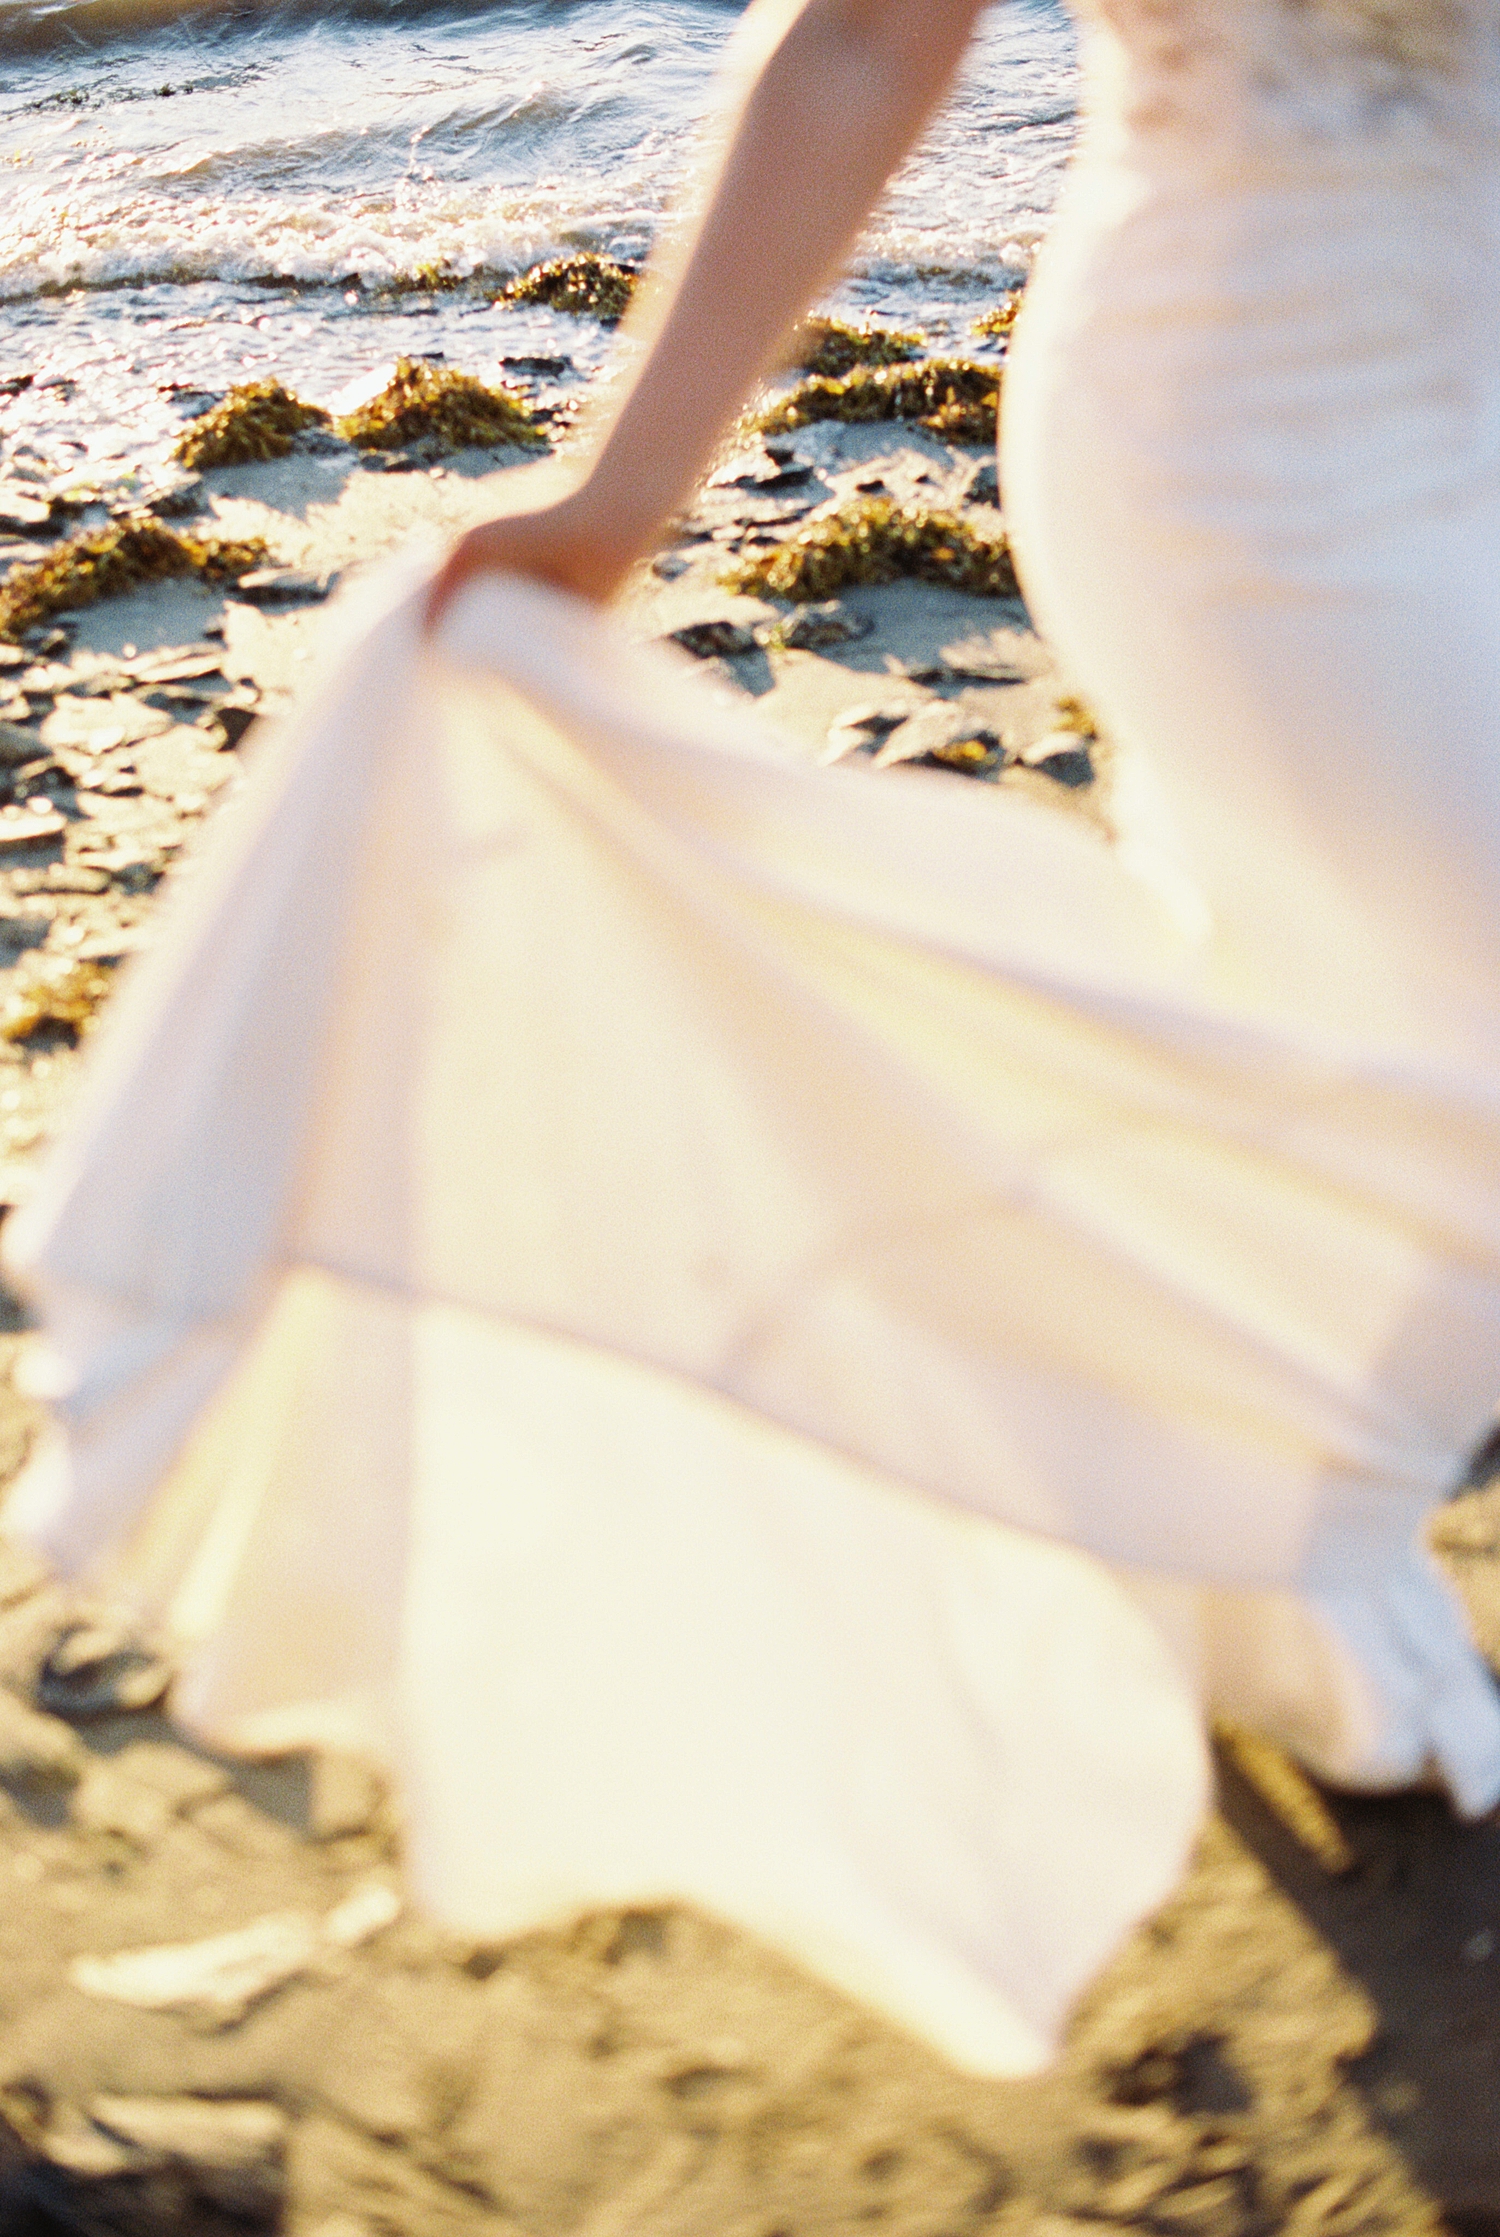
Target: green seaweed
column 950, row 396
column 106, row 562
column 423, row 403
column 875, row 540
column 996, row 324
column 428, row 279
column 256, row 421
column 831, row 347
column 60, row 995
column 1077, row 715
column 588, row 285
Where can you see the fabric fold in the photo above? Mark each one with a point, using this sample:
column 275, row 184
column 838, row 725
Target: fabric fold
column 597, row 1249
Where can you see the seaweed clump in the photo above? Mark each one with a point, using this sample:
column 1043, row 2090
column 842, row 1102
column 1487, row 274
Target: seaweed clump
column 105, row 562
column 1077, row 715
column 994, row 325
column 831, row 347
column 256, row 421
column 588, row 285
column 875, row 540
column 950, row 396
column 436, row 278
column 423, row 403
column 59, row 998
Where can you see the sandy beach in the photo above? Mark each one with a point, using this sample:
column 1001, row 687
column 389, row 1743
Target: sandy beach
column 1307, row 2038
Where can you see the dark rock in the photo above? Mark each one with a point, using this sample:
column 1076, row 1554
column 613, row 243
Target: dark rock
column 98, row 1670
column 181, row 700
column 983, row 486
column 945, row 737
column 232, row 2149
column 191, row 402
column 779, row 477
column 178, row 499
column 714, row 640
column 548, row 368
column 765, row 474
column 283, row 586
column 319, row 442
column 21, row 514
column 810, row 627
column 228, row 724
column 1064, row 757
column 860, row 728
column 16, row 384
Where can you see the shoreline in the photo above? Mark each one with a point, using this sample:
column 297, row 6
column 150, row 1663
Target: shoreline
column 1303, row 2040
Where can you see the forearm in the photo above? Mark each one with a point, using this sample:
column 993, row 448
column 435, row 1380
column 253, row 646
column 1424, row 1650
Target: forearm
column 837, row 92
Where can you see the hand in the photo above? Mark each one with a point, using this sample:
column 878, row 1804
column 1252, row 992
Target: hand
column 560, row 540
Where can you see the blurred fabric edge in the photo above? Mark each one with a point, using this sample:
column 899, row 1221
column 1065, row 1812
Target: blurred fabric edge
column 620, row 1267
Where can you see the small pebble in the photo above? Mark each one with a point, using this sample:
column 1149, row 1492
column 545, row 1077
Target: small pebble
column 714, row 640
column 97, row 1670
column 283, row 586
column 811, row 627
column 1063, row 756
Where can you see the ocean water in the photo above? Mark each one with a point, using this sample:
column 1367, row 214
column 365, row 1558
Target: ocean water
column 198, row 192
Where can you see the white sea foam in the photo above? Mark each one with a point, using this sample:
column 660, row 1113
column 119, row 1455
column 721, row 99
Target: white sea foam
column 181, row 172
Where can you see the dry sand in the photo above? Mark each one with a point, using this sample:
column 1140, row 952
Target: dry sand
column 1306, row 2039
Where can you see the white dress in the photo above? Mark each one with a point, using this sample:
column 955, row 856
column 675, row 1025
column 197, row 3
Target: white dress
column 774, row 1334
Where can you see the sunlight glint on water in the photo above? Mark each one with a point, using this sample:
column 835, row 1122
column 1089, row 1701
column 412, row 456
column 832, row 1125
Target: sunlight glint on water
column 200, row 194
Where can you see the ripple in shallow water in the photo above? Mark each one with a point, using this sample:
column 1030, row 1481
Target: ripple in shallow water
column 199, row 193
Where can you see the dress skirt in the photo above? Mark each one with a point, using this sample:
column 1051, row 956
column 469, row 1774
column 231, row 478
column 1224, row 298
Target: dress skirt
column 770, row 1334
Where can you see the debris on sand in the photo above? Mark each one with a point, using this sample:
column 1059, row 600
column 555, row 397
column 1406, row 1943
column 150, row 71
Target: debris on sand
column 954, row 397
column 256, row 421
column 832, row 347
column 587, row 284
column 814, row 628
column 875, row 540
column 105, row 562
column 60, row 995
column 431, row 404
column 944, row 736
column 218, row 1980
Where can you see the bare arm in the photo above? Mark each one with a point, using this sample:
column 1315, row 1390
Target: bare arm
column 832, row 94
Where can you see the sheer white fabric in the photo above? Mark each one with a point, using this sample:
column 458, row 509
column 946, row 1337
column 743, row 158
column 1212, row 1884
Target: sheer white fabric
column 623, row 1266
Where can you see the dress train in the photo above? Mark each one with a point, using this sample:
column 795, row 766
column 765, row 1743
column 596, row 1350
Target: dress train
column 752, row 1325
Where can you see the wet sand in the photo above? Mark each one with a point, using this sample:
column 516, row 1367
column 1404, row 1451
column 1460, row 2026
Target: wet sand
column 1306, row 2039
